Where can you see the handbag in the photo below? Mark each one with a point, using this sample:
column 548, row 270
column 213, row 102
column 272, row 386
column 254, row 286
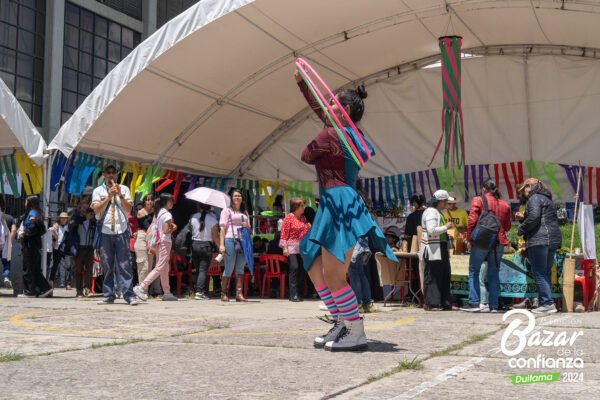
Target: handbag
column 237, row 242
column 97, row 242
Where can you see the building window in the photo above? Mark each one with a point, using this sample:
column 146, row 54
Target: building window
column 93, row 46
column 22, row 25
column 133, row 8
column 169, row 9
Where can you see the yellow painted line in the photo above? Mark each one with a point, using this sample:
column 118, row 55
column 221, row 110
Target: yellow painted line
column 403, row 321
column 19, row 320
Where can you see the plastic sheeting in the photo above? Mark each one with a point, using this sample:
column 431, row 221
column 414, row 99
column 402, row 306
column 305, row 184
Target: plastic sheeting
column 16, row 129
column 204, row 91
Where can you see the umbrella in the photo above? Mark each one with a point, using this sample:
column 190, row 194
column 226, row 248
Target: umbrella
column 209, row 196
column 248, row 247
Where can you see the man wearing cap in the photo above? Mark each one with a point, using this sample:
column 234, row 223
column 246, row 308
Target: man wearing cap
column 112, row 204
column 83, row 224
column 459, row 218
column 58, row 231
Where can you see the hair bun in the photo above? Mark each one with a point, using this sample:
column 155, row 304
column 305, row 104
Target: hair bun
column 362, row 92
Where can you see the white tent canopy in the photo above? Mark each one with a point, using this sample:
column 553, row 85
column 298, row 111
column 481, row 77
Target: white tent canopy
column 16, row 129
column 212, row 91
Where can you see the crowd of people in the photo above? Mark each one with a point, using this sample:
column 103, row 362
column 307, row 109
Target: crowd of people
column 335, row 243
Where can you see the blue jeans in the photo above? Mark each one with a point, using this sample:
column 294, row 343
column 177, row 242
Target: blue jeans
column 6, row 266
column 358, row 278
column 233, row 259
column 541, row 259
column 116, row 259
column 478, row 256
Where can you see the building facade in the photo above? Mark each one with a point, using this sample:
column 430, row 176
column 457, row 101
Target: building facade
column 53, row 53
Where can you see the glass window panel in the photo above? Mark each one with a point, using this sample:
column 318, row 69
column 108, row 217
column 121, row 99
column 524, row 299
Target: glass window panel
column 71, row 14
column 37, row 92
column 127, row 37
column 114, row 32
column 99, row 47
column 71, row 36
column 85, row 84
column 27, row 19
column 24, row 89
column 38, row 69
column 137, row 38
column 96, row 81
column 70, row 57
column 69, row 79
column 111, row 66
column 69, row 101
column 86, row 41
column 85, row 63
column 80, row 99
column 25, row 65
column 99, row 67
column 114, row 52
column 26, row 42
column 39, row 46
column 27, row 107
column 100, row 26
column 37, row 115
column 8, row 35
column 9, row 80
column 40, row 23
column 8, row 60
column 41, row 5
column 87, row 20
column 28, row 3
column 9, row 12
column 64, row 117
column 125, row 52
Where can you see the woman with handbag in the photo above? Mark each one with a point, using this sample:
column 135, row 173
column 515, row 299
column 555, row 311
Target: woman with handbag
column 164, row 226
column 232, row 220
column 31, row 232
column 294, row 228
column 144, row 260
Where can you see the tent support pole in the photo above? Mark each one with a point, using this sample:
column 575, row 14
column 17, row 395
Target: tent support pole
column 527, row 105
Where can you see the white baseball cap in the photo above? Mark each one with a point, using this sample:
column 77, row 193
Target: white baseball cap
column 441, row 195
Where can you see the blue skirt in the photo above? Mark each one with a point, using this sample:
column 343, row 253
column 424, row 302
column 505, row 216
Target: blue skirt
column 342, row 218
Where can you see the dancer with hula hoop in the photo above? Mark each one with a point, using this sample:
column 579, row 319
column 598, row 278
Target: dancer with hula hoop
column 342, row 217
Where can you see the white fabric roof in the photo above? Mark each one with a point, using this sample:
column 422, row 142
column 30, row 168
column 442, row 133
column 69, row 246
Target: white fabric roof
column 16, row 129
column 213, row 88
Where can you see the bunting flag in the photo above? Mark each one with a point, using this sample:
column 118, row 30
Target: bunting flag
column 452, row 117
column 10, row 171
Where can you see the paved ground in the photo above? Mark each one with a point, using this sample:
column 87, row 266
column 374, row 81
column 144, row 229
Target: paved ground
column 65, row 348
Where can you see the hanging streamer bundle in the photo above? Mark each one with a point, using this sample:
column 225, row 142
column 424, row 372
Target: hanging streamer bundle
column 345, row 134
column 452, row 117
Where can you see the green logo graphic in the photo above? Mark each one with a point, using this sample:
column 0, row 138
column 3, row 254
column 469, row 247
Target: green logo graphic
column 525, row 379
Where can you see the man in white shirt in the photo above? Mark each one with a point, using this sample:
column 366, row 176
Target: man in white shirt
column 112, row 204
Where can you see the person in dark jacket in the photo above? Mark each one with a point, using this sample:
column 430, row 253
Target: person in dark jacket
column 83, row 226
column 542, row 235
column 414, row 219
column 34, row 283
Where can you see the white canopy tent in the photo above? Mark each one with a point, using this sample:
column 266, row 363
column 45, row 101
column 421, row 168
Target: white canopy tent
column 212, row 91
column 16, row 129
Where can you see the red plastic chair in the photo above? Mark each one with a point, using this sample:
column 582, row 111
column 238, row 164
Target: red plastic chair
column 587, row 281
column 214, row 270
column 273, row 271
column 174, row 271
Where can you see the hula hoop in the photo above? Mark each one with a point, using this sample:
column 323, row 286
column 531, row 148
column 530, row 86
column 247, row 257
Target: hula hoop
column 303, row 68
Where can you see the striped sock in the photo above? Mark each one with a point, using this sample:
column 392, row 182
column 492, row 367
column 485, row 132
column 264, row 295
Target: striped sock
column 325, row 295
column 345, row 299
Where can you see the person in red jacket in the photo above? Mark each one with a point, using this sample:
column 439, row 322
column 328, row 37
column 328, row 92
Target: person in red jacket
column 493, row 256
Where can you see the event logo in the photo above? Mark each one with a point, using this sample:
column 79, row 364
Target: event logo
column 517, row 338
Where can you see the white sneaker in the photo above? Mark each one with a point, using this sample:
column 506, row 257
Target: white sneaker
column 353, row 339
column 484, row 308
column 323, row 307
column 7, row 283
column 335, row 331
column 139, row 292
column 547, row 309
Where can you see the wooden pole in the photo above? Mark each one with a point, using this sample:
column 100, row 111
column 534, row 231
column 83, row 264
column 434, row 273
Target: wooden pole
column 569, row 266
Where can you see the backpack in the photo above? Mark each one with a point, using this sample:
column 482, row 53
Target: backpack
column 485, row 234
column 183, row 241
column 153, row 233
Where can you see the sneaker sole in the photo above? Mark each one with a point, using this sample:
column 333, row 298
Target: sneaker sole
column 360, row 347
column 141, row 298
column 545, row 312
